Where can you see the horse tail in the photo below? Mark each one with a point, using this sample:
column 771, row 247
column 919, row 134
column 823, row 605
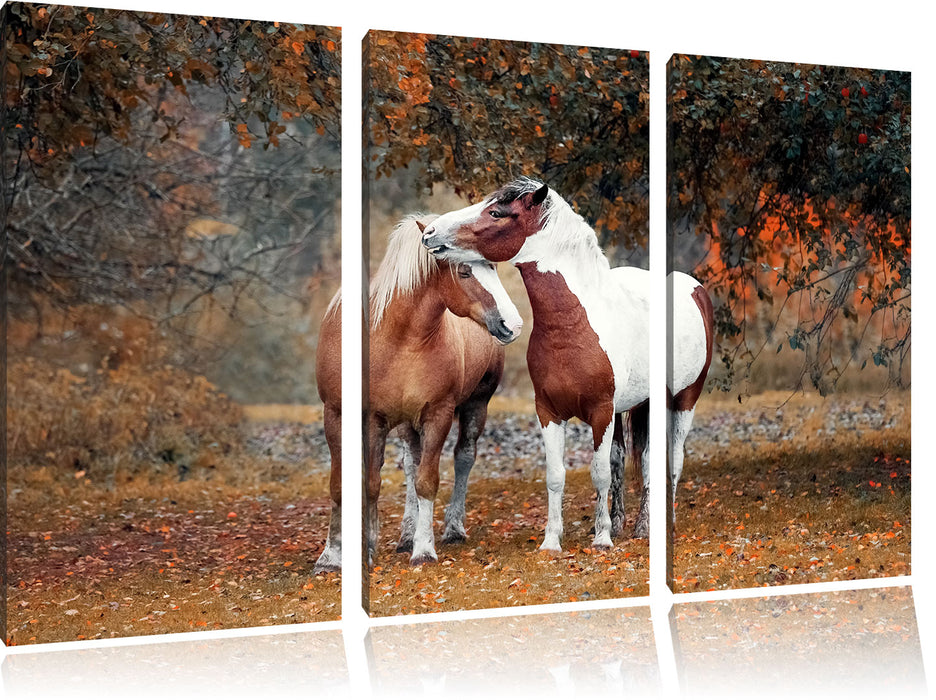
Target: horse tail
column 638, row 420
column 638, row 425
column 618, row 449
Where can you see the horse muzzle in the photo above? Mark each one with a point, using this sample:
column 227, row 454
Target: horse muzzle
column 503, row 332
column 435, row 242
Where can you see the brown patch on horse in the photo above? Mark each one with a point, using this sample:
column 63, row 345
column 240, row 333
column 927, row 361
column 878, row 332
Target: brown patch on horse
column 572, row 375
column 686, row 399
column 503, row 226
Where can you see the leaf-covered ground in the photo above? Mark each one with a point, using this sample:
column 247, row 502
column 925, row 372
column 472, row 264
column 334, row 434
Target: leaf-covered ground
column 797, row 489
column 499, row 564
column 159, row 555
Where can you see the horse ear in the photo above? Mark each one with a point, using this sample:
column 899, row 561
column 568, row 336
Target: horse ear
column 539, row 196
column 421, row 225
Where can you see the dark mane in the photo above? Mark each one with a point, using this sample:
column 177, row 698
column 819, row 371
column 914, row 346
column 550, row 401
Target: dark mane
column 516, row 189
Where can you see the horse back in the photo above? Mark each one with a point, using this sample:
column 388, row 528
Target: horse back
column 693, row 337
column 328, row 355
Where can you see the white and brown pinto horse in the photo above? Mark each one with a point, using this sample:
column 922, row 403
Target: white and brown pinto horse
column 588, row 350
column 435, row 353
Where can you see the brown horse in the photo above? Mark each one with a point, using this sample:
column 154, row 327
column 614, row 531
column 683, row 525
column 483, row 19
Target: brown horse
column 436, row 352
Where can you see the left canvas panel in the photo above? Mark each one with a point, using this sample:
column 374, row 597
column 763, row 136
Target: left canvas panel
column 171, row 193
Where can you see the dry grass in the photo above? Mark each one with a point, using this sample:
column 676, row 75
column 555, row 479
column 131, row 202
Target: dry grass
column 207, row 558
column 283, row 413
column 115, row 423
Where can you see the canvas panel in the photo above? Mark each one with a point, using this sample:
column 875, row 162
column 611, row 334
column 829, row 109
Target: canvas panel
column 789, row 200
column 172, row 185
column 448, row 120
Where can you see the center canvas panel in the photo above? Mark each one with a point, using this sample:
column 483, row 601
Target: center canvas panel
column 506, row 368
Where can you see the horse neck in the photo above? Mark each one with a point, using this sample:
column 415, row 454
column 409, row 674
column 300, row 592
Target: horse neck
column 416, row 316
column 562, row 254
column 565, row 244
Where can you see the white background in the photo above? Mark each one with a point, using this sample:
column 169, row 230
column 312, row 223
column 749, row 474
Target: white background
column 891, row 35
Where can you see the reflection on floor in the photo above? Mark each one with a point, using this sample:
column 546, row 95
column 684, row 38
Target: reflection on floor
column 847, row 643
column 304, row 664
column 585, row 652
column 843, row 643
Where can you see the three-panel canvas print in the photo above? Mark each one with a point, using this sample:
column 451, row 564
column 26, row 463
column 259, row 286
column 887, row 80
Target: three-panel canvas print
column 173, row 370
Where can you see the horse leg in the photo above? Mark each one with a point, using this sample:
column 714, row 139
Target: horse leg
column 330, row 559
column 639, row 420
column 434, row 431
column 412, row 452
column 471, row 419
column 618, row 447
column 554, row 444
column 601, row 480
column 376, row 442
column 679, row 423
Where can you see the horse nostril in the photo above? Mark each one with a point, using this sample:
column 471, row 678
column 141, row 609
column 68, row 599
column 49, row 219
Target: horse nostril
column 510, row 330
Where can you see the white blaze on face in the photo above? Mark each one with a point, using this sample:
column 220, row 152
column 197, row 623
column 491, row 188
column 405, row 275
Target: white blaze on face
column 487, row 277
column 442, row 231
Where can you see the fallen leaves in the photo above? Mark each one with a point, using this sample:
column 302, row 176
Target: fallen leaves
column 500, row 563
column 219, row 572
column 843, row 521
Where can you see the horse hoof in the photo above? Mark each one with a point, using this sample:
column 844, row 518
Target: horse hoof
column 454, row 537
column 327, row 568
column 641, row 531
column 405, row 546
column 617, row 527
column 601, row 546
column 424, row 558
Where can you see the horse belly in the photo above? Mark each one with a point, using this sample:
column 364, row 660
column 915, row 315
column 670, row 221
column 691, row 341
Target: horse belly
column 623, row 332
column 402, row 383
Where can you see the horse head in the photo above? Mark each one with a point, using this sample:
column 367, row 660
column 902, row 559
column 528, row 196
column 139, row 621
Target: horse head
column 474, row 290
column 494, row 229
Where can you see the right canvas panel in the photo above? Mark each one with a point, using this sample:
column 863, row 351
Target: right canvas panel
column 788, row 402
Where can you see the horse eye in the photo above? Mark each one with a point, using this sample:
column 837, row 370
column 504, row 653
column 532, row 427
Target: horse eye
column 464, row 271
column 495, row 214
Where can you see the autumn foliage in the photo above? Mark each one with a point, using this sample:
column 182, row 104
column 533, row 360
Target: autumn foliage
column 474, row 113
column 149, row 155
column 75, row 75
column 789, row 196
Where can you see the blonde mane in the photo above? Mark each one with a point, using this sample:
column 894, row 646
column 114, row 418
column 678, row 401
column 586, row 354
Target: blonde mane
column 406, row 265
